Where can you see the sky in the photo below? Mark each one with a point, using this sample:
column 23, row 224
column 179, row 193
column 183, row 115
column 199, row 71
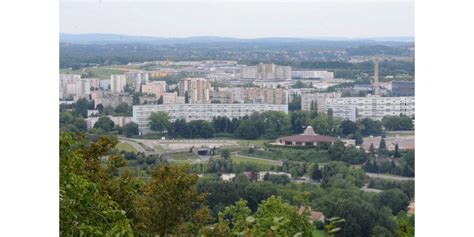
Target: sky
column 337, row 18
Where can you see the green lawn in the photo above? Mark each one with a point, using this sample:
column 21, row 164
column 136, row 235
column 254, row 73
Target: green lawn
column 125, row 147
column 183, row 156
column 400, row 133
column 252, row 142
column 319, row 233
column 99, row 72
column 245, row 159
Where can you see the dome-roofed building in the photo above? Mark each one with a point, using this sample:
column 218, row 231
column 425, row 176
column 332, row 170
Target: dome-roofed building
column 308, row 138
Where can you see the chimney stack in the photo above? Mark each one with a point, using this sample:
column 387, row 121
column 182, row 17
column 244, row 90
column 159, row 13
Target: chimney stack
column 376, row 78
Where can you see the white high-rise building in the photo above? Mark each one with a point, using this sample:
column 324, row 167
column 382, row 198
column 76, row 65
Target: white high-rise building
column 156, row 87
column 313, row 74
column 318, row 99
column 376, row 107
column 207, row 112
column 137, row 79
column 197, row 89
column 264, row 72
column 117, row 83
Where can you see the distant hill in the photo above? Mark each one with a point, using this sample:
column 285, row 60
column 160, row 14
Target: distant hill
column 114, row 38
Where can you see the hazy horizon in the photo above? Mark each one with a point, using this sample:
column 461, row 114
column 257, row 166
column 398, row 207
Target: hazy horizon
column 339, row 19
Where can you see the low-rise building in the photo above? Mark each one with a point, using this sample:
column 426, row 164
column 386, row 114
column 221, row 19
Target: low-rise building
column 402, row 88
column 227, row 177
column 261, row 174
column 313, row 216
column 308, row 138
column 404, row 142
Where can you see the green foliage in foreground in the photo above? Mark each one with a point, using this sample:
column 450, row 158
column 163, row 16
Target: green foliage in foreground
column 99, row 196
column 272, row 218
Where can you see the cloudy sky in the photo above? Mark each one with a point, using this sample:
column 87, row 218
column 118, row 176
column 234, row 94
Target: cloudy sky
column 336, row 18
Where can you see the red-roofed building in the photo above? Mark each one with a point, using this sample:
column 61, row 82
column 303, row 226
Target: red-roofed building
column 308, row 138
column 313, row 216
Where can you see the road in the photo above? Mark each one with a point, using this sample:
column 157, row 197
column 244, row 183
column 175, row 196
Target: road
column 391, row 177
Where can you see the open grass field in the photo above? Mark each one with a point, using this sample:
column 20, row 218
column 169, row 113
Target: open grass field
column 96, row 72
column 125, row 147
column 399, row 133
column 259, row 161
column 183, row 156
column 251, row 142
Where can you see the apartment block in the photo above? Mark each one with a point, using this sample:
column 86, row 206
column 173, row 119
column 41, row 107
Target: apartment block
column 376, row 107
column 156, row 88
column 264, row 71
column 319, row 99
column 206, row 112
column 312, row 74
column 197, row 89
column 117, row 83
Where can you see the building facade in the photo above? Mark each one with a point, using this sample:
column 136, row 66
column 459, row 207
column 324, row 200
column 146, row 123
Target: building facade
column 118, row 120
column 312, row 74
column 206, row 112
column 156, row 88
column 198, row 90
column 117, row 83
column 264, row 71
column 318, row 99
column 403, row 88
column 376, row 107
column 137, row 79
column 107, row 98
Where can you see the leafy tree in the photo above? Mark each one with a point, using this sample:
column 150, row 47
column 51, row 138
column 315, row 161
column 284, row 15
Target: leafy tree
column 100, row 108
column 382, row 146
column 235, row 216
column 372, row 150
column 405, row 225
column 348, row 127
column 396, row 152
column 225, row 154
column 397, row 123
column 81, row 107
column 173, row 203
column 248, row 129
column 395, row 199
column 159, row 121
column 123, row 108
column 295, row 104
column 369, row 127
column 136, row 98
column 407, row 164
column 380, row 231
column 200, row 129
column 280, row 219
column 279, row 179
column 299, row 120
column 130, row 129
column 316, row 173
column 105, row 123
column 86, row 208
